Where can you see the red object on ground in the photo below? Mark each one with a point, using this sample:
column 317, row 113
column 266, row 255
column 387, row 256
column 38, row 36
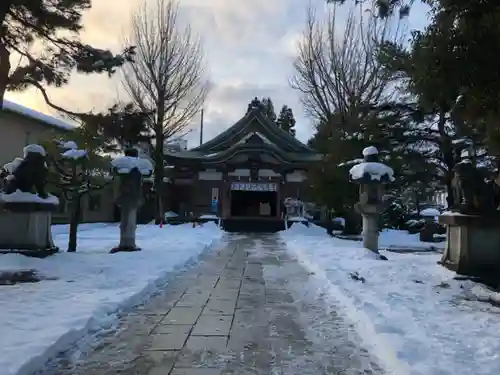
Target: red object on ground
column 161, row 223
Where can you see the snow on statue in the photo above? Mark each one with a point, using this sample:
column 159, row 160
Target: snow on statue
column 25, row 175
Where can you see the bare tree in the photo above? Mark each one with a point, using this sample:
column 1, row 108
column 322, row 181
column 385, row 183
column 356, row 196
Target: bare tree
column 167, row 76
column 337, row 71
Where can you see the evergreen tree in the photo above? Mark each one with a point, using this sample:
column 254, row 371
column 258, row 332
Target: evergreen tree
column 120, row 127
column 286, row 120
column 268, row 107
column 54, row 27
column 386, row 8
column 265, row 105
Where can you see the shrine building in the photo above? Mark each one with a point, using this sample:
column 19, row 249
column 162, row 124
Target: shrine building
column 243, row 174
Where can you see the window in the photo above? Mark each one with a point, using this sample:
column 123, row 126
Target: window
column 94, row 202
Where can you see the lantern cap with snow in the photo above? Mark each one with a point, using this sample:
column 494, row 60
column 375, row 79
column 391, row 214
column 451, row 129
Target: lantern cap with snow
column 371, row 170
column 124, row 165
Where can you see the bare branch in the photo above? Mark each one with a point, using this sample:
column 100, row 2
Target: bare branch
column 168, row 73
column 337, row 71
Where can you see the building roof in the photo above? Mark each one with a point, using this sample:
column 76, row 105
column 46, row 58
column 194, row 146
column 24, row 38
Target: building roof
column 37, row 116
column 254, row 133
column 268, row 128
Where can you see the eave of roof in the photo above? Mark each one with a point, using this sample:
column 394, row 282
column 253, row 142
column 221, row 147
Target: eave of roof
column 222, row 156
column 37, row 116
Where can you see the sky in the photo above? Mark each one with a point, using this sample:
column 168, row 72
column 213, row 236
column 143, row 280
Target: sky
column 249, row 48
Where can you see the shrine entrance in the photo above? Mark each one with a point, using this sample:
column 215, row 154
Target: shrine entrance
column 254, row 204
column 256, row 200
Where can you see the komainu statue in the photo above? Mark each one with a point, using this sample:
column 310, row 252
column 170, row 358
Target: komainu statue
column 475, row 190
column 30, row 173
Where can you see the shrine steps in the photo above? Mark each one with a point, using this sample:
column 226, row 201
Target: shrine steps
column 253, row 225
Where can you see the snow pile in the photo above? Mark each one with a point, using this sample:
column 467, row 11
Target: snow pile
column 90, row 287
column 430, row 212
column 124, row 164
column 410, row 311
column 23, row 197
column 399, row 239
column 74, row 153
column 171, row 214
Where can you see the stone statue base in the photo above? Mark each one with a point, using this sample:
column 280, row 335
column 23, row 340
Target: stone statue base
column 27, row 233
column 28, row 202
column 472, row 245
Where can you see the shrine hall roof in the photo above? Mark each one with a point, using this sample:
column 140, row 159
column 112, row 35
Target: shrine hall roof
column 252, row 133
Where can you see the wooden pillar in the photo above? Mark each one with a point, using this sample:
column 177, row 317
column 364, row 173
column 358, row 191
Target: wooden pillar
column 226, row 196
column 278, row 199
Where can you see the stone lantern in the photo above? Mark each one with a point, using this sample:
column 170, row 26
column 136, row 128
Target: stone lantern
column 131, row 171
column 371, row 175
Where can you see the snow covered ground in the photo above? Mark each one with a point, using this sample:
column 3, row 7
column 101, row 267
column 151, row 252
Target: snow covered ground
column 91, row 286
column 410, row 311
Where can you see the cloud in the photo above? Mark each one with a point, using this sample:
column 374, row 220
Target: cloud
column 249, row 45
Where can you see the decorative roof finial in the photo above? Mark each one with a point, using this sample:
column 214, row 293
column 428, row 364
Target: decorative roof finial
column 255, row 104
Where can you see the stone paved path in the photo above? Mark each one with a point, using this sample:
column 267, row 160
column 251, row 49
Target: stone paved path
column 247, row 308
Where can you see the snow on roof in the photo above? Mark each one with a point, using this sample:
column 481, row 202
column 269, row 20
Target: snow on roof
column 36, row 115
column 375, row 170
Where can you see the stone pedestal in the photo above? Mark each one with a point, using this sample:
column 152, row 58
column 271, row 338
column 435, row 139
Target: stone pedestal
column 28, row 233
column 370, row 214
column 472, row 245
column 370, row 232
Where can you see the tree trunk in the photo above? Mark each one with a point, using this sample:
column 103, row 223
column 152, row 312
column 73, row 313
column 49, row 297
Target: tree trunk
column 158, row 173
column 4, row 52
column 158, row 156
column 73, row 224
